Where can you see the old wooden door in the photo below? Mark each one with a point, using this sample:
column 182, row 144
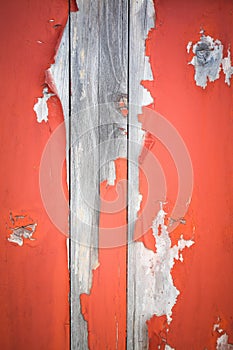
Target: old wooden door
column 116, row 128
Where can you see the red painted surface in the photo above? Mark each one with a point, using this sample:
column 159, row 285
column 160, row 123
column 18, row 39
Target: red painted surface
column 34, row 278
column 105, row 308
column 204, row 120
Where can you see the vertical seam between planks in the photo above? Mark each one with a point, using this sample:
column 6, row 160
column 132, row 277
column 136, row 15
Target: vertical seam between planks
column 99, row 126
column 69, row 166
column 127, row 195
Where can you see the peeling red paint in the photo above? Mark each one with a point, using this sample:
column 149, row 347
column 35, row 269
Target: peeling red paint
column 218, row 327
column 50, row 82
column 105, row 308
column 203, row 118
column 34, row 278
column 73, row 6
column 195, row 114
column 204, row 121
column 157, row 332
column 20, row 228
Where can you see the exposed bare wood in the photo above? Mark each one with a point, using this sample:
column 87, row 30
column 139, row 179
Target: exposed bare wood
column 141, row 20
column 99, row 82
column 57, row 77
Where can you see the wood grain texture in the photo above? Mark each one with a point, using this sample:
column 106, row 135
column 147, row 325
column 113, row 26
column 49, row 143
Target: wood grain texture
column 205, row 277
column 99, row 83
column 141, row 21
column 57, row 77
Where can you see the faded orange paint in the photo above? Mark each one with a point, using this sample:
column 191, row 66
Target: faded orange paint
column 34, row 278
column 204, row 120
column 105, row 308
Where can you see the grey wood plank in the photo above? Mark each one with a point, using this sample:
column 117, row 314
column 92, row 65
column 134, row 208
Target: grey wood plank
column 98, row 82
column 58, row 76
column 142, row 18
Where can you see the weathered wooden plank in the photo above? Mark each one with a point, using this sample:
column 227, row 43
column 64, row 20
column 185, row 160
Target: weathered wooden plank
column 57, row 78
column 112, row 82
column 141, row 20
column 151, row 291
column 99, row 83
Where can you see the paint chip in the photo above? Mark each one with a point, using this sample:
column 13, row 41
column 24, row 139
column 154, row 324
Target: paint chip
column 168, row 347
column 41, row 107
column 165, row 291
column 190, row 44
column 207, row 60
column 222, row 343
column 159, row 294
column 22, row 232
column 138, row 203
column 111, row 173
column 227, row 67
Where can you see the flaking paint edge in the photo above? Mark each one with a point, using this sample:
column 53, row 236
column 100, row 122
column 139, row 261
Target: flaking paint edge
column 41, row 106
column 208, row 60
column 147, row 305
column 222, row 337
